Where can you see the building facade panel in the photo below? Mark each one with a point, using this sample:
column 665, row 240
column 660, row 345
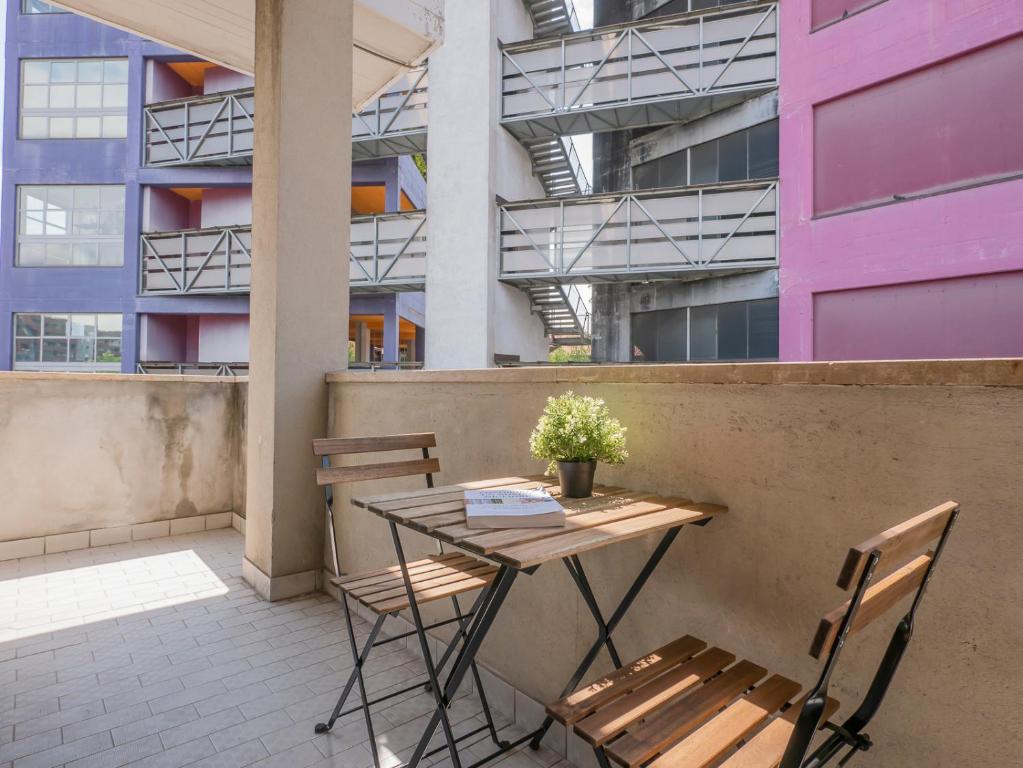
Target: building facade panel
column 948, row 234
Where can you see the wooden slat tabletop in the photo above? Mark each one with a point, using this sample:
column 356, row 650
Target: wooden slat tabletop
column 611, row 515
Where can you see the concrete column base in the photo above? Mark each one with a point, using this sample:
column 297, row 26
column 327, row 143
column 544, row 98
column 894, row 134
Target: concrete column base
column 280, row 587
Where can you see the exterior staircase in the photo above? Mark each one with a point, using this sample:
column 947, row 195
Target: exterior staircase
column 552, row 17
column 556, row 165
column 564, row 312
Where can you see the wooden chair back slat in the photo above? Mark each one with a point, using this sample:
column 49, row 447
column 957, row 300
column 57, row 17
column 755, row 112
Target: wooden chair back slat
column 898, row 542
column 333, row 446
column 877, row 600
column 329, row 475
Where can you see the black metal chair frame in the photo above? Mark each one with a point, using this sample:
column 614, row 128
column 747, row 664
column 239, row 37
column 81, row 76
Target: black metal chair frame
column 360, row 657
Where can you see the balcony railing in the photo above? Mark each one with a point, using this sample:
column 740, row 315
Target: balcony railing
column 196, row 261
column 394, row 124
column 194, row 369
column 388, row 252
column 641, row 73
column 204, row 130
column 662, row 234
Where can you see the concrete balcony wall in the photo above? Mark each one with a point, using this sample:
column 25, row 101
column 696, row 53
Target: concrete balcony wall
column 86, row 452
column 810, row 459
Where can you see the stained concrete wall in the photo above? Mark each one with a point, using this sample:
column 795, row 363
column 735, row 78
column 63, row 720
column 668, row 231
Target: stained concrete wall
column 86, row 451
column 810, row 459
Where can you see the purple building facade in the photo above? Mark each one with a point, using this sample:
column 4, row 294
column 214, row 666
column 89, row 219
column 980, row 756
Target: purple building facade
column 113, row 255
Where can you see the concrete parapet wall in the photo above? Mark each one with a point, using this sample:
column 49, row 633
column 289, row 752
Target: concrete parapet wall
column 810, row 459
column 86, row 452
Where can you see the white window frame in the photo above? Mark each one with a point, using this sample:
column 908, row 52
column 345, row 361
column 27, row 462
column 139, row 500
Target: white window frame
column 69, row 335
column 110, row 118
column 72, row 225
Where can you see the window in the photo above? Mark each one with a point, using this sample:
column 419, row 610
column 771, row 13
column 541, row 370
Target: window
column 74, row 98
column 748, row 154
column 33, row 7
column 67, row 342
column 70, row 226
column 741, row 330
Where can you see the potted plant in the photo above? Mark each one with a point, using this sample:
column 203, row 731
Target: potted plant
column 574, row 433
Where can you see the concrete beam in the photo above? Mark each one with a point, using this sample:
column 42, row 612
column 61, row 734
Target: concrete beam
column 299, row 302
column 675, row 138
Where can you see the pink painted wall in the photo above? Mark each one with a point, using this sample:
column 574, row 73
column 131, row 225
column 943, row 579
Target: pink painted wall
column 219, row 79
column 162, row 338
column 223, row 339
column 226, row 206
column 164, row 84
column 978, row 316
column 960, row 233
column 164, row 211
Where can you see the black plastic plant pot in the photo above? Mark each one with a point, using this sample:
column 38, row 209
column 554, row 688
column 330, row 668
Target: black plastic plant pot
column 576, row 478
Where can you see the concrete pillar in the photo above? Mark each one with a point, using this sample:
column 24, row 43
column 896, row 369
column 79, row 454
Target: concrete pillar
column 363, row 343
column 472, row 160
column 299, row 301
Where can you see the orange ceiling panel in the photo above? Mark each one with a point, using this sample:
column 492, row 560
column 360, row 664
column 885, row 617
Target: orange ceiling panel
column 369, row 199
column 192, row 72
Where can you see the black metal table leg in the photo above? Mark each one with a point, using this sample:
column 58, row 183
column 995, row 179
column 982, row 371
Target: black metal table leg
column 604, row 630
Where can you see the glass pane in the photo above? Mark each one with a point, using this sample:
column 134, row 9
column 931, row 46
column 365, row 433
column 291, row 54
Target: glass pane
column 108, row 350
column 109, row 325
column 111, row 222
column 83, row 350
column 62, row 97
column 115, row 127
column 732, row 331
column 26, row 350
column 88, row 128
column 704, row 332
column 62, row 71
column 35, row 72
column 644, row 175
column 672, row 170
column 90, row 71
column 644, row 336
column 112, row 198
column 763, row 150
column 83, row 325
column 31, row 254
column 671, row 335
column 61, row 197
column 35, row 97
column 57, row 222
column 33, row 198
column 28, row 325
column 89, row 96
column 86, row 197
column 85, row 254
column 32, row 223
column 115, row 96
column 703, row 163
column 763, row 329
column 33, row 128
column 55, row 325
column 111, row 254
column 58, row 254
column 86, row 223
column 115, row 71
column 54, row 350
column 61, row 128
column 732, row 161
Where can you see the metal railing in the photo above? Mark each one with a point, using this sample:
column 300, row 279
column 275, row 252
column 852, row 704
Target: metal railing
column 196, row 261
column 388, row 252
column 579, row 307
column 639, row 73
column 640, row 235
column 394, row 124
column 194, row 369
column 384, row 365
column 210, row 130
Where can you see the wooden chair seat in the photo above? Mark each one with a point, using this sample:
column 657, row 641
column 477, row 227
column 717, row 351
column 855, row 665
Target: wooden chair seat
column 686, row 706
column 433, row 578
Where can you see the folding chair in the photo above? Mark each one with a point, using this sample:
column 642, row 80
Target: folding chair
column 687, row 706
column 383, row 591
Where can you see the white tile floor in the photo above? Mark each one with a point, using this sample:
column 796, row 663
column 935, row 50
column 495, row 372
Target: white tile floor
column 156, row 654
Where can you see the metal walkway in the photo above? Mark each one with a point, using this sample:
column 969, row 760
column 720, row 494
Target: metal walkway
column 638, row 74
column 388, row 253
column 564, row 311
column 552, row 17
column 670, row 234
column 217, row 260
column 394, row 124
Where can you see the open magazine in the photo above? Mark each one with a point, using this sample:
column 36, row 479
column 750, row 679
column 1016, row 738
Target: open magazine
column 512, row 509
